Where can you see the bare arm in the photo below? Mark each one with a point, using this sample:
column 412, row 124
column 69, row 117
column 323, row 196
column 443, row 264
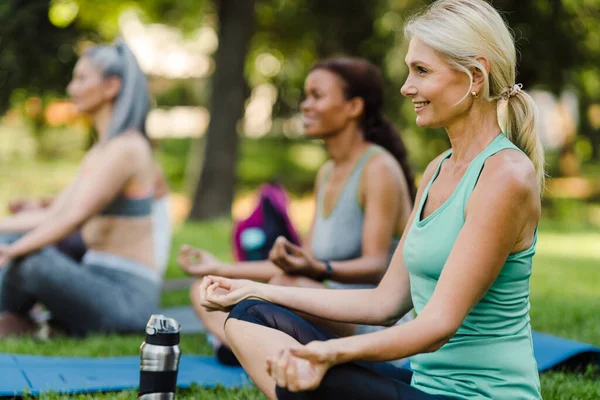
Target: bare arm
column 253, row 270
column 100, row 186
column 385, row 192
column 501, row 216
column 24, row 221
column 27, row 220
column 383, row 305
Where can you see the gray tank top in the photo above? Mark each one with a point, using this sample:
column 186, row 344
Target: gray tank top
column 338, row 236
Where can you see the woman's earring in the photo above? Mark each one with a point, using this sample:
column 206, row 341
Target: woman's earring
column 475, row 94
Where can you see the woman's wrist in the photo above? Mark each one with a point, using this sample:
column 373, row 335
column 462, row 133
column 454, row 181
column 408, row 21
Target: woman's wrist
column 259, row 291
column 338, row 352
column 217, row 269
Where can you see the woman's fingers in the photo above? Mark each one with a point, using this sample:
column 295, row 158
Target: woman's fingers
column 291, row 248
column 224, row 283
column 210, row 291
column 278, row 250
column 309, row 353
column 291, row 374
column 187, row 255
column 206, row 282
column 282, row 363
column 207, row 289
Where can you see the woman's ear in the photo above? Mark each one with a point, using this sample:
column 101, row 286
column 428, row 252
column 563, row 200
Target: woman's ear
column 356, row 107
column 478, row 75
column 112, row 87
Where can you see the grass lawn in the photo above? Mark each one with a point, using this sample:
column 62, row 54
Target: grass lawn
column 564, row 301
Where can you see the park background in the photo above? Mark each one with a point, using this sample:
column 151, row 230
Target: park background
column 226, row 80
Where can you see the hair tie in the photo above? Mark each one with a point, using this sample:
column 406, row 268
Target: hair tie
column 511, row 91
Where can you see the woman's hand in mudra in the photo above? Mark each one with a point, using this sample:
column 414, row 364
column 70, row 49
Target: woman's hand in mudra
column 197, row 262
column 295, row 260
column 302, row 368
column 222, row 294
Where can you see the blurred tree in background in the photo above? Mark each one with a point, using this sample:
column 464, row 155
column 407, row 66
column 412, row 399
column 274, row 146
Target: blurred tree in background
column 558, row 42
column 214, row 192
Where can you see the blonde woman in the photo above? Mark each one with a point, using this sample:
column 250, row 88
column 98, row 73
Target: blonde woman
column 463, row 262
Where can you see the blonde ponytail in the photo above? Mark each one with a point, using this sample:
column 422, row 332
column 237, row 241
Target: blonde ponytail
column 518, row 119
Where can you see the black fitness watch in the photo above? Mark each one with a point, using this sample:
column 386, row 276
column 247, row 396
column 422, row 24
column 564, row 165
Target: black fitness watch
column 328, row 271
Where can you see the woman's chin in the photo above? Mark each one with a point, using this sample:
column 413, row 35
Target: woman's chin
column 312, row 134
column 421, row 122
column 424, row 122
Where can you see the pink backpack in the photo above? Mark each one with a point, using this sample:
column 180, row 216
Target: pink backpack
column 254, row 236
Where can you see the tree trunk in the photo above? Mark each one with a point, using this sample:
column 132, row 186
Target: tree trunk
column 214, row 192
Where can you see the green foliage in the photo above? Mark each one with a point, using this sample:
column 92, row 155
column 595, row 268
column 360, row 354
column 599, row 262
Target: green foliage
column 292, row 162
column 103, row 16
column 36, row 56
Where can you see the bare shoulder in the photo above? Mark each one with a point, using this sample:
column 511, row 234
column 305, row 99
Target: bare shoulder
column 129, row 144
column 382, row 165
column 511, row 171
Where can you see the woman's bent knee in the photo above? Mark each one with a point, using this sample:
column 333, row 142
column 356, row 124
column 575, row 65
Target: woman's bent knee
column 249, row 311
column 195, row 291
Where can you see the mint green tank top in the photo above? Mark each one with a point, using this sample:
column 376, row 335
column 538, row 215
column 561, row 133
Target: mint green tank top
column 491, row 355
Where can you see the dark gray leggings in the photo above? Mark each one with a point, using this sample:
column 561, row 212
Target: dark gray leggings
column 81, row 297
column 351, row 381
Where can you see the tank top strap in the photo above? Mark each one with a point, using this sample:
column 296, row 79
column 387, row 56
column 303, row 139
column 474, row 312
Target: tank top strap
column 356, row 170
column 351, row 185
column 473, row 172
column 371, row 151
column 425, row 194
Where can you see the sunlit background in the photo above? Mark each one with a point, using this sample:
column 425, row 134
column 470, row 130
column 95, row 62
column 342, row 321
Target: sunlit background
column 177, row 43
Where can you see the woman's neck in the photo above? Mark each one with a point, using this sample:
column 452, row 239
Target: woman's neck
column 472, row 133
column 102, row 120
column 344, row 146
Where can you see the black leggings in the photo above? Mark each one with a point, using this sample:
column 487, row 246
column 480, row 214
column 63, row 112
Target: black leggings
column 352, row 381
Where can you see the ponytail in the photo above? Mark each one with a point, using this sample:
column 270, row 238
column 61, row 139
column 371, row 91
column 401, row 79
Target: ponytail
column 380, row 131
column 133, row 102
column 518, row 119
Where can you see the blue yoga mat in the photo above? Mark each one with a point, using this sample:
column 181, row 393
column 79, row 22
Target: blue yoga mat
column 552, row 351
column 20, row 374
column 549, row 351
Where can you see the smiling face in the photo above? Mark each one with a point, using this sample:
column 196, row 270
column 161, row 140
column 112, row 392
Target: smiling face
column 89, row 89
column 325, row 110
column 435, row 88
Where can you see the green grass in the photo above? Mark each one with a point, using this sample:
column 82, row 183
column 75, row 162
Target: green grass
column 564, row 302
column 564, row 292
column 213, row 236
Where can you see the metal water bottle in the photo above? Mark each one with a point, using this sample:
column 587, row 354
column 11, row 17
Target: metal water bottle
column 159, row 359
